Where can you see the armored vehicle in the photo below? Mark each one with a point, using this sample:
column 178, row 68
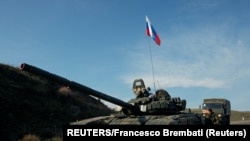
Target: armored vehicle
column 145, row 109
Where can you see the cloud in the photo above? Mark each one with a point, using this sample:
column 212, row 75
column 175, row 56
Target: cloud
column 203, row 57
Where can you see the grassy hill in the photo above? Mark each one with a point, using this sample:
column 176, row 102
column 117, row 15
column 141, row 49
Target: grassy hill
column 30, row 104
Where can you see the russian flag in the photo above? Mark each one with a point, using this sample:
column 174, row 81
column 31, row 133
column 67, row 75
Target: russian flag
column 151, row 32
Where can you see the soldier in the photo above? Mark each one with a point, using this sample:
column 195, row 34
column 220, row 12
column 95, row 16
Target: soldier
column 210, row 118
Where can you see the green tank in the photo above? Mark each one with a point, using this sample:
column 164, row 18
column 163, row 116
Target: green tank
column 146, row 108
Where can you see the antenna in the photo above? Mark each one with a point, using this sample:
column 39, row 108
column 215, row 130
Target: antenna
column 158, row 84
column 152, row 64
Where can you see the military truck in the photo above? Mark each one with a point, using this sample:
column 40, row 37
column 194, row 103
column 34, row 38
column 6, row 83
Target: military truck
column 220, row 107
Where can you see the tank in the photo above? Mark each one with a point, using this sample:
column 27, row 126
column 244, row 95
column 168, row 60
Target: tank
column 145, row 108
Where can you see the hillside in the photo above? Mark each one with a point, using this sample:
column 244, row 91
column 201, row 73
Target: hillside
column 30, row 104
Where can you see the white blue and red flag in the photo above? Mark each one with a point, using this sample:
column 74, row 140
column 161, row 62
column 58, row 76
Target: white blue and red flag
column 150, row 31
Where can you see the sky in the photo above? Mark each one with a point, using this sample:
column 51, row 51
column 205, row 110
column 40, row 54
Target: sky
column 102, row 44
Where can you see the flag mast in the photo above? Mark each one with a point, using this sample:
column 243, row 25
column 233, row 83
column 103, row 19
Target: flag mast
column 150, row 31
column 151, row 63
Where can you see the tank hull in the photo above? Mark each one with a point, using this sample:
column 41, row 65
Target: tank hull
column 179, row 119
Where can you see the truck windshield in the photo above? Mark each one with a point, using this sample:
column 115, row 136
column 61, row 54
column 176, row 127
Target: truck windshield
column 211, row 106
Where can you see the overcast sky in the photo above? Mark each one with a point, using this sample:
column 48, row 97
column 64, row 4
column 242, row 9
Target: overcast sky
column 102, row 44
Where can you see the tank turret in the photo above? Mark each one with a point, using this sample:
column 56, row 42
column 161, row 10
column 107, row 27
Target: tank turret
column 145, row 109
column 159, row 103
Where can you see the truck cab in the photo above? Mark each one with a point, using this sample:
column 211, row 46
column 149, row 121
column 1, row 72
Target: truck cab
column 220, row 107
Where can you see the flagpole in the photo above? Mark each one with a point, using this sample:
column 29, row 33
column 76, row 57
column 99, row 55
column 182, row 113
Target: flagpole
column 151, row 63
column 150, row 31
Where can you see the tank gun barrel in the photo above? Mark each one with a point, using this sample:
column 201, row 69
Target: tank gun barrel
column 76, row 86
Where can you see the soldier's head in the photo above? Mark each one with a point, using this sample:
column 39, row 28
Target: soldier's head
column 210, row 111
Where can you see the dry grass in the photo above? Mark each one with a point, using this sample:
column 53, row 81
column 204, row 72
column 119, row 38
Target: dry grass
column 33, row 104
column 30, row 137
